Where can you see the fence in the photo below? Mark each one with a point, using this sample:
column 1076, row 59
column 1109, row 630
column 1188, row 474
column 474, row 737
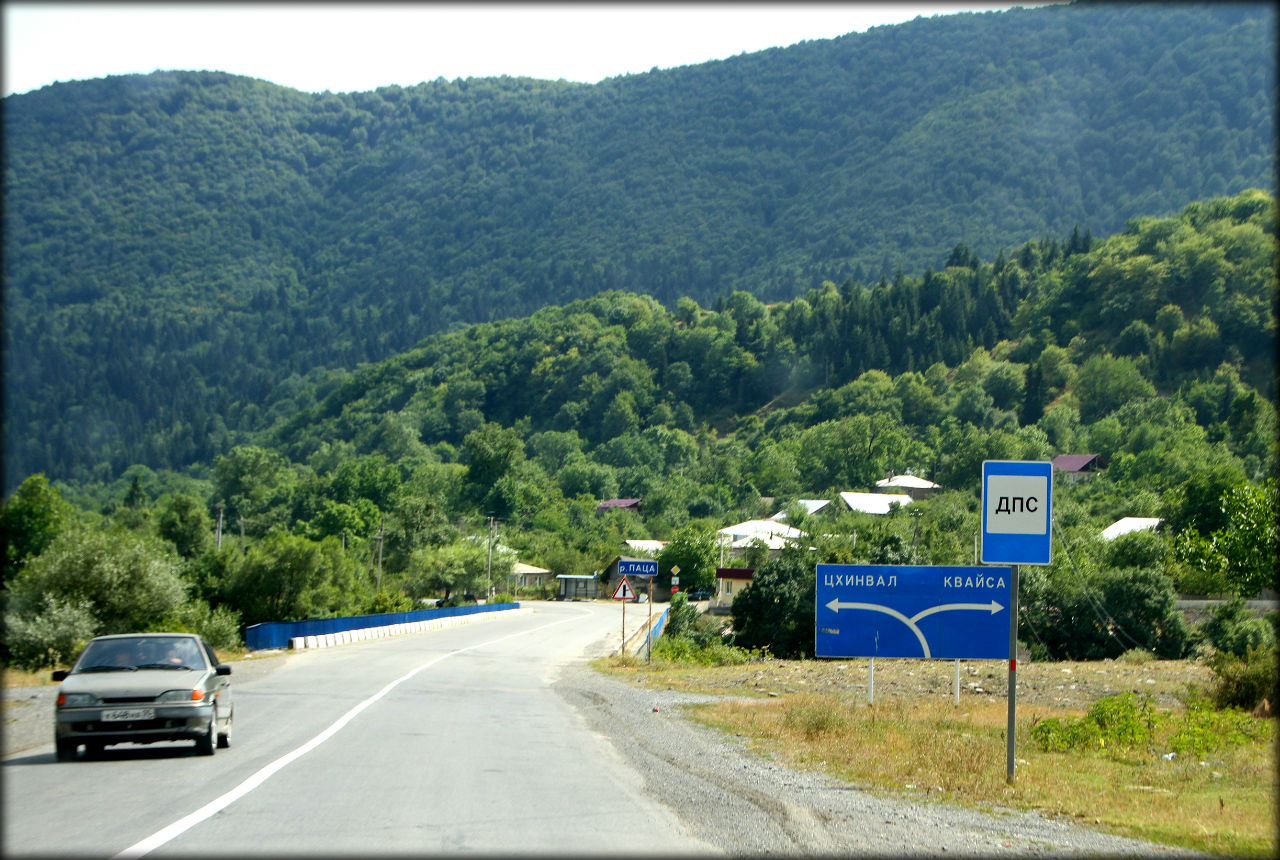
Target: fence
column 278, row 634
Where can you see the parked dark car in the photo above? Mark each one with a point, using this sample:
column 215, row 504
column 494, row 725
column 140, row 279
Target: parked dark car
column 141, row 688
column 699, row 594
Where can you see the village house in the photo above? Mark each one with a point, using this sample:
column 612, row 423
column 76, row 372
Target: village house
column 916, row 488
column 1077, row 467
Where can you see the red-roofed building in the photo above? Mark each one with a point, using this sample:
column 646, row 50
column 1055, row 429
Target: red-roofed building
column 1077, row 466
column 618, row 505
column 729, row 581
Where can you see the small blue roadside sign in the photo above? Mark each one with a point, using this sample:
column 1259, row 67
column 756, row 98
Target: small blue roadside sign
column 938, row 612
column 1017, row 506
column 637, row 567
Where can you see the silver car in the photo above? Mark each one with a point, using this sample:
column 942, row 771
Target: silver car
column 140, row 688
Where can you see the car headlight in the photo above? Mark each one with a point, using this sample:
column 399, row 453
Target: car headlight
column 195, row 695
column 76, row 700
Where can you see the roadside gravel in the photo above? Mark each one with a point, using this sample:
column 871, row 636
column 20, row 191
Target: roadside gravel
column 743, row 803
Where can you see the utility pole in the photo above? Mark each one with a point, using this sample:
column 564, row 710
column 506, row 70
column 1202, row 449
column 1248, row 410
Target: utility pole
column 242, row 549
column 378, row 554
column 381, row 531
column 488, row 571
column 219, row 540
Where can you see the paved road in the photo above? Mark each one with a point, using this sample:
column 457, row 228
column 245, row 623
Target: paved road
column 495, row 739
column 447, row 741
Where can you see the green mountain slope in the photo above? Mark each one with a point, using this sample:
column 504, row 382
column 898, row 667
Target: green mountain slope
column 182, row 250
column 1180, row 299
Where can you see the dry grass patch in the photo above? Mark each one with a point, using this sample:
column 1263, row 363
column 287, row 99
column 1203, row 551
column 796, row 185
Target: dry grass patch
column 1221, row 802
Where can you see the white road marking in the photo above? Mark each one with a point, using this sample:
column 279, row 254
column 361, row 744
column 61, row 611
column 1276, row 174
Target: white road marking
column 215, row 806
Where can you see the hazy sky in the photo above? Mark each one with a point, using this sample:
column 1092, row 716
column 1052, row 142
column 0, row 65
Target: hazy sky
column 359, row 47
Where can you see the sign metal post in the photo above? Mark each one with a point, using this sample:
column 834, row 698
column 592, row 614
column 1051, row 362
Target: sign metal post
column 1017, row 509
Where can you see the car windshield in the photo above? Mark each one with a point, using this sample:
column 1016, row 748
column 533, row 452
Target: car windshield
column 143, row 652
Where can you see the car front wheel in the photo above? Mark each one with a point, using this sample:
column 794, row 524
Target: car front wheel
column 224, row 737
column 205, row 744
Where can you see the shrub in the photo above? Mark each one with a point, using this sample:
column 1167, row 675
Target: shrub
column 1203, row 730
column 388, row 600
column 219, row 626
column 682, row 617
column 1137, row 656
column 1059, row 735
column 776, row 610
column 1120, row 722
column 1243, row 682
column 1232, row 629
column 51, row 636
column 126, row 581
column 1103, row 616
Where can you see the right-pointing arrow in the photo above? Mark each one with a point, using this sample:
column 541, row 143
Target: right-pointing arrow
column 991, row 607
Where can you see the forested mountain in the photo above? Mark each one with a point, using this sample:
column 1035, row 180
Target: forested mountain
column 1172, row 307
column 190, row 255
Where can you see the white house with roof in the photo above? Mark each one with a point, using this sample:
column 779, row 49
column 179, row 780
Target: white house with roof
column 874, row 503
column 772, row 534
column 915, row 487
column 811, row 507
column 1124, row 525
column 652, row 547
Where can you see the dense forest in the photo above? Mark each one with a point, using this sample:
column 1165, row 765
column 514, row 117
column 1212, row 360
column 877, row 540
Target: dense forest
column 372, row 490
column 193, row 260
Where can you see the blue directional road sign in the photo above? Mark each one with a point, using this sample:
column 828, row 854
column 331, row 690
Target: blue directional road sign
column 637, row 567
column 943, row 612
column 1017, row 503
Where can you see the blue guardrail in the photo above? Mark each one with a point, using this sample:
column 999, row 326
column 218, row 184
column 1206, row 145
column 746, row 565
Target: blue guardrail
column 276, row 634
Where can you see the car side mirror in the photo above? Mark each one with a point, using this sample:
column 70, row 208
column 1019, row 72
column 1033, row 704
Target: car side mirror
column 222, row 669
column 60, row 675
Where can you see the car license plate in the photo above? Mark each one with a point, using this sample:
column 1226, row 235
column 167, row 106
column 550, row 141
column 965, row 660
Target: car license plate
column 120, row 715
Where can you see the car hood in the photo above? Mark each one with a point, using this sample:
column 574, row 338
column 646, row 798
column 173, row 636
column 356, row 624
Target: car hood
column 142, row 682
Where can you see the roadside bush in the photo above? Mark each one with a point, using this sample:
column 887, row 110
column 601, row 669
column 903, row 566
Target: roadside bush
column 124, row 581
column 682, row 616
column 688, row 636
column 1137, row 656
column 51, row 636
column 1102, row 616
column 1117, row 723
column 684, row 650
column 1243, row 682
column 776, row 610
column 1233, row 629
column 1204, row 730
column 219, row 626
